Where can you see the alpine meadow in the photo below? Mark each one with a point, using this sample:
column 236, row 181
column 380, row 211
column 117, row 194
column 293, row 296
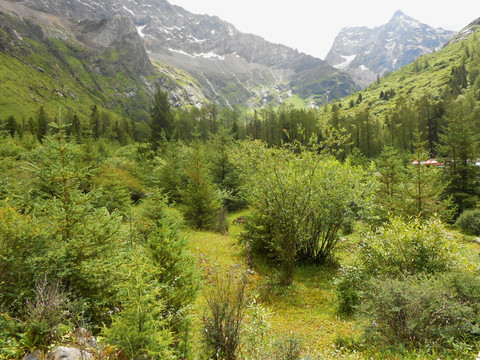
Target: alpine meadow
column 173, row 188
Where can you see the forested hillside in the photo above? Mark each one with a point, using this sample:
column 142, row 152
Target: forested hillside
column 345, row 232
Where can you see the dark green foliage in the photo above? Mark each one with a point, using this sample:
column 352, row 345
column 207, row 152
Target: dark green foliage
column 170, row 176
column 42, row 124
column 161, row 118
column 459, row 143
column 11, row 126
column 469, row 222
column 458, row 79
column 390, row 173
column 225, row 174
column 201, row 201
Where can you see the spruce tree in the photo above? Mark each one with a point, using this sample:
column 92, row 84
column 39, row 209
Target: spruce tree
column 423, row 186
column 200, row 199
column 390, row 173
column 161, row 121
column 459, row 144
column 224, row 172
column 87, row 242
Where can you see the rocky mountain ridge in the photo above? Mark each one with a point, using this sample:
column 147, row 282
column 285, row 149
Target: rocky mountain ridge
column 232, row 67
column 366, row 53
column 81, row 63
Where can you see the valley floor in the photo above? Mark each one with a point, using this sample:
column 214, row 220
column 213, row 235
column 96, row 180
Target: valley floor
column 307, row 309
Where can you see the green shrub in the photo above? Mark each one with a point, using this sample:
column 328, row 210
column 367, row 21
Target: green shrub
column 401, row 247
column 287, row 348
column 11, row 332
column 397, row 249
column 223, row 322
column 418, row 311
column 348, row 288
column 20, row 237
column 469, row 222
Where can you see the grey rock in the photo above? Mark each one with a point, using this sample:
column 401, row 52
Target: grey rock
column 69, row 353
column 33, row 356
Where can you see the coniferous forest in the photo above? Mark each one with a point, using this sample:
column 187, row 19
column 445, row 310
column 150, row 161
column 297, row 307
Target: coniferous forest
column 349, row 231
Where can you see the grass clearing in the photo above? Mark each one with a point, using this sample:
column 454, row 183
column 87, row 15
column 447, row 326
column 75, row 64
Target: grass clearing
column 307, row 308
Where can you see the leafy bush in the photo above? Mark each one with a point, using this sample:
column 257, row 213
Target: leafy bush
column 299, row 201
column 349, row 288
column 397, row 249
column 20, row 237
column 412, row 247
column 11, row 332
column 469, row 222
column 426, row 310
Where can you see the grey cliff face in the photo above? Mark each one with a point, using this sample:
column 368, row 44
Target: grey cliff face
column 119, row 33
column 366, row 53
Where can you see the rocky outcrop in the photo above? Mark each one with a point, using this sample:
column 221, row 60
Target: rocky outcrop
column 69, row 353
column 119, row 33
column 367, row 53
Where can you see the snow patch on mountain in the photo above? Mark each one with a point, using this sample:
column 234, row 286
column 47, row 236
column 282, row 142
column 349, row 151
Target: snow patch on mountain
column 128, row 10
column 346, row 63
column 209, row 55
column 140, row 30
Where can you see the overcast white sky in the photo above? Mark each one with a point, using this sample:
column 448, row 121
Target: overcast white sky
column 311, row 25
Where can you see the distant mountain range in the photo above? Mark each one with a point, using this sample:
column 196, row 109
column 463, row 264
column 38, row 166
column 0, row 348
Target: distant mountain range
column 197, row 58
column 232, row 67
column 366, row 53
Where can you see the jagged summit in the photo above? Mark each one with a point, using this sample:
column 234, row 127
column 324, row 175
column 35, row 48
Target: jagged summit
column 366, row 53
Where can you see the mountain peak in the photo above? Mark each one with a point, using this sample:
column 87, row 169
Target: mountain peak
column 367, row 53
column 398, row 13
